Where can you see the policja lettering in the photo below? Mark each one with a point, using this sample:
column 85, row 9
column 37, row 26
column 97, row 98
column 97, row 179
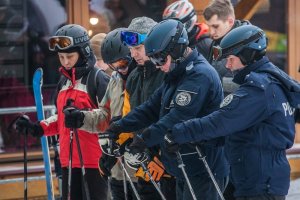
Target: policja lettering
column 288, row 109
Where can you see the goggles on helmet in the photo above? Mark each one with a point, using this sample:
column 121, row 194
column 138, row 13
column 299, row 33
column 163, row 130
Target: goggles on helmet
column 158, row 59
column 132, row 38
column 61, row 42
column 220, row 53
column 121, row 65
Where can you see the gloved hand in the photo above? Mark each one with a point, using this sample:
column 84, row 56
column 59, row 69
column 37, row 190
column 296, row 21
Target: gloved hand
column 156, row 169
column 171, row 145
column 106, row 163
column 24, row 123
column 112, row 132
column 136, row 153
column 73, row 117
column 138, row 145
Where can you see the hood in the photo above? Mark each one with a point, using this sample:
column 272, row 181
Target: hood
column 290, row 86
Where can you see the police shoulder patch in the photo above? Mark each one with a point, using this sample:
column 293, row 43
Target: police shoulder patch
column 183, row 98
column 227, row 100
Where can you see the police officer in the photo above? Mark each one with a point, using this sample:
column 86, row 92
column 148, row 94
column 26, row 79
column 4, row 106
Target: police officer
column 191, row 88
column 257, row 118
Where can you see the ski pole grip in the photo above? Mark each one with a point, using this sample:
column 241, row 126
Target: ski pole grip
column 104, row 136
column 70, row 102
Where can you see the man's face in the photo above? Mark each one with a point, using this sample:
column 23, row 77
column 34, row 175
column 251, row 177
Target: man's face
column 138, row 54
column 218, row 28
column 234, row 63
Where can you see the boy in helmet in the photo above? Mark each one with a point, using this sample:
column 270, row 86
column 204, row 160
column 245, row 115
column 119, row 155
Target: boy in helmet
column 71, row 42
column 258, row 118
column 198, row 33
column 191, row 88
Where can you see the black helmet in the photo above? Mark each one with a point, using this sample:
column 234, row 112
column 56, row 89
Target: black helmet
column 248, row 42
column 71, row 37
column 169, row 37
column 112, row 48
column 183, row 11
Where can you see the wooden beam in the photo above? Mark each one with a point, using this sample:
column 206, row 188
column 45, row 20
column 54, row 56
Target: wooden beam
column 293, row 46
column 78, row 12
column 245, row 9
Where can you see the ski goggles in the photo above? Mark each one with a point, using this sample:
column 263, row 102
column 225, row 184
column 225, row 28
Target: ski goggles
column 220, row 53
column 61, row 42
column 132, row 38
column 158, row 59
column 121, row 65
column 217, row 52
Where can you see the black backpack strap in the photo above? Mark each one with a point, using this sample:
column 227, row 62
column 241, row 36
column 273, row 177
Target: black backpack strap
column 92, row 84
column 97, row 82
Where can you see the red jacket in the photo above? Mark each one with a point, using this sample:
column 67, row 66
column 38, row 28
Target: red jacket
column 76, row 90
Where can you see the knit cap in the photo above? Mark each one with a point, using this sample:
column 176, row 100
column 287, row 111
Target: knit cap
column 96, row 43
column 141, row 25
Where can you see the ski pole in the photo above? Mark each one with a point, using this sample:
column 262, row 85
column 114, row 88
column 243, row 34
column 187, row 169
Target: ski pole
column 70, row 164
column 124, row 183
column 201, row 157
column 118, row 156
column 152, row 180
column 25, row 164
column 86, row 188
column 181, row 166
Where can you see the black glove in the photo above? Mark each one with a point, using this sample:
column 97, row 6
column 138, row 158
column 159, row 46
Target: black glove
column 106, row 163
column 112, row 132
column 73, row 117
column 171, row 145
column 24, row 123
column 138, row 145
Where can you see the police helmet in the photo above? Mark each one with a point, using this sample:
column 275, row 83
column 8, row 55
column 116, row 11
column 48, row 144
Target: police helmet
column 248, row 42
column 113, row 49
column 182, row 11
column 70, row 38
column 169, row 37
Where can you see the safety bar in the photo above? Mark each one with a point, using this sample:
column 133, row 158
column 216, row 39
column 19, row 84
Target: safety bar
column 27, row 109
column 14, row 180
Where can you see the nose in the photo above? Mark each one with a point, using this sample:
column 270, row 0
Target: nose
column 212, row 32
column 227, row 65
column 133, row 53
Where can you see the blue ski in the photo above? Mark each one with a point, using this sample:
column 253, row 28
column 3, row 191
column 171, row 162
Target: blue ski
column 37, row 90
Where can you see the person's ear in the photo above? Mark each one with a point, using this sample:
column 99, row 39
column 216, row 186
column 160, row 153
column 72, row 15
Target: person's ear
column 231, row 21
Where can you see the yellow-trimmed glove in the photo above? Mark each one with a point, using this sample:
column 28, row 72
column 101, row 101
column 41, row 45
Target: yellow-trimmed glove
column 156, row 169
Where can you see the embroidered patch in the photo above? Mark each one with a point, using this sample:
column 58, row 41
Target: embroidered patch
column 227, row 100
column 183, row 98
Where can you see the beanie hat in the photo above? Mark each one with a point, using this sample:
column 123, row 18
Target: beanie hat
column 141, row 25
column 96, row 43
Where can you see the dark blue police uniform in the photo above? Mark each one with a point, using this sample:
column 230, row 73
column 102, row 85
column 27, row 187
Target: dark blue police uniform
column 192, row 89
column 258, row 119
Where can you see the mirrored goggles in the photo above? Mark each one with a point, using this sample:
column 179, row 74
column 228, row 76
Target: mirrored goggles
column 132, row 38
column 158, row 59
column 61, row 42
column 121, row 65
column 217, row 52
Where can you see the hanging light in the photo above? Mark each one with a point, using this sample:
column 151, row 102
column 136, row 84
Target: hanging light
column 94, row 20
